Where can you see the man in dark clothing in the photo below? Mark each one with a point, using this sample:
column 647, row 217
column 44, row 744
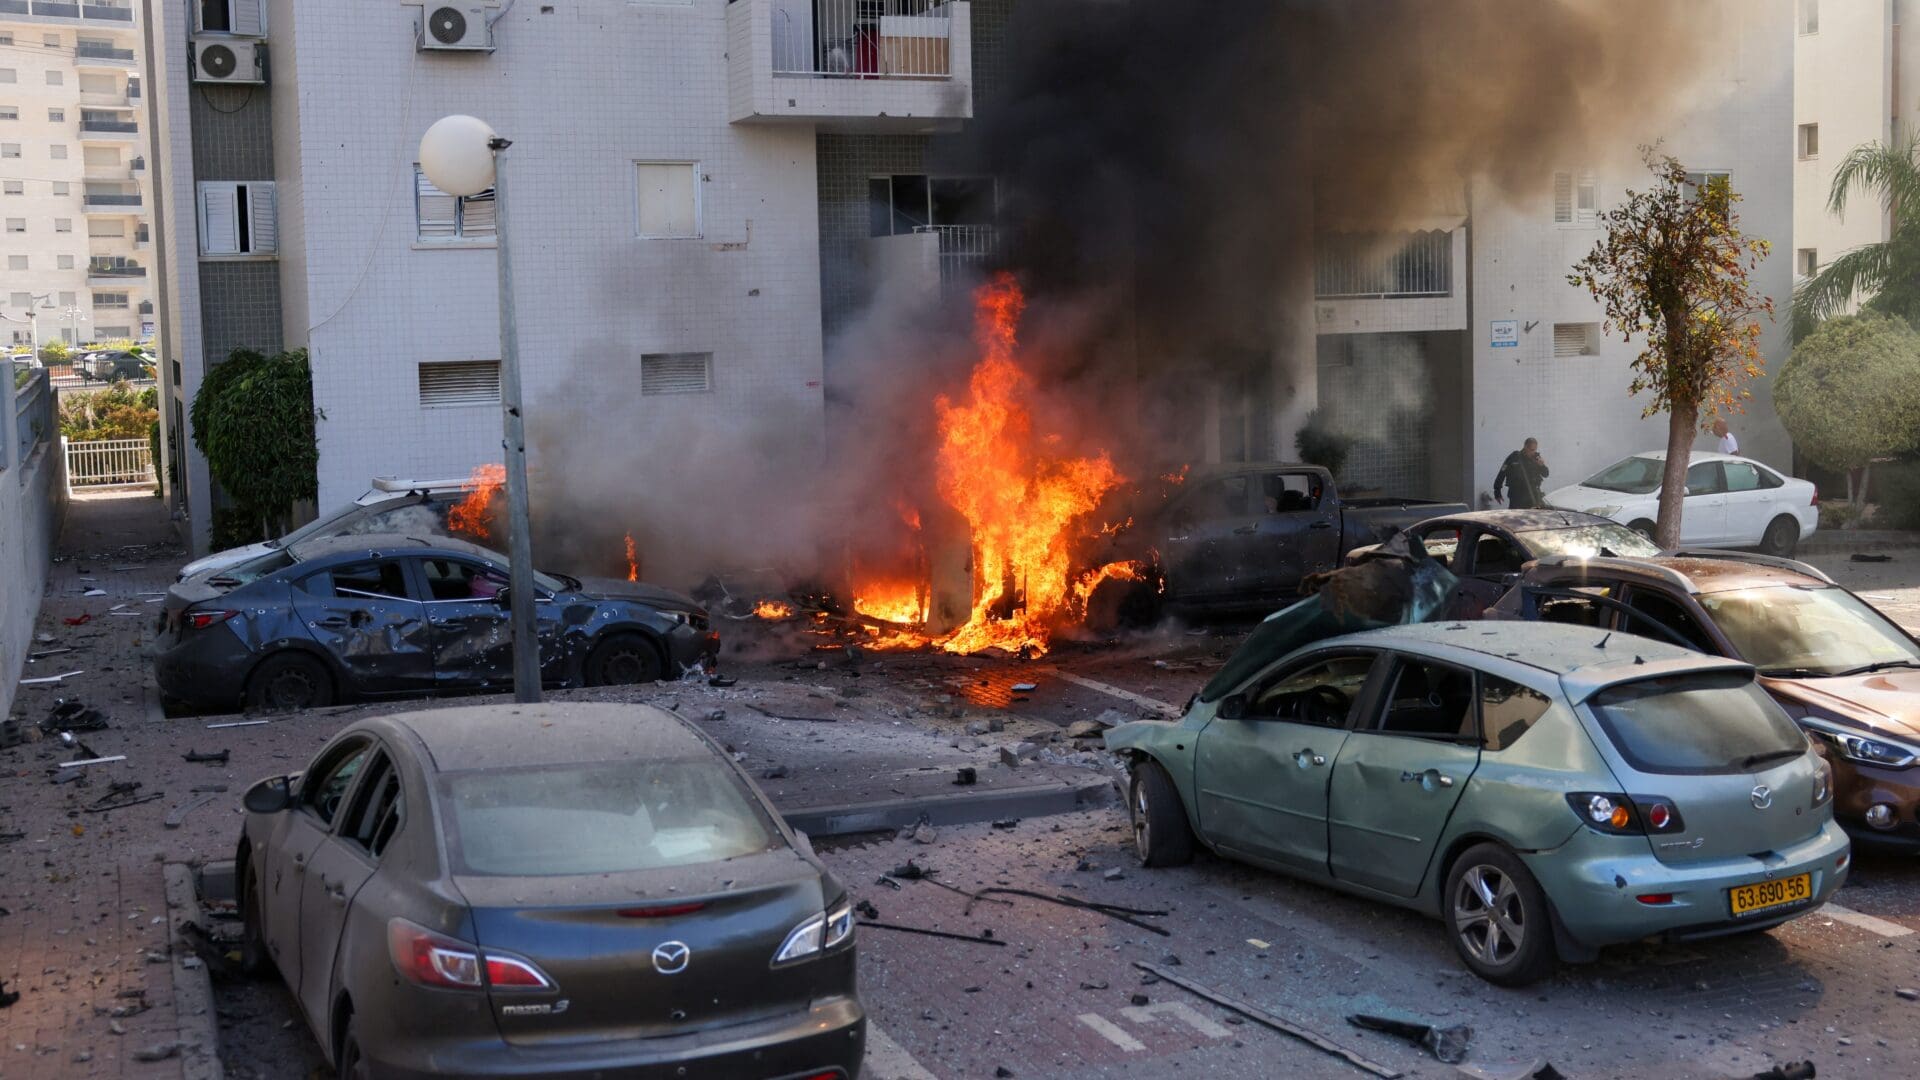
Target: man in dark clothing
column 1521, row 475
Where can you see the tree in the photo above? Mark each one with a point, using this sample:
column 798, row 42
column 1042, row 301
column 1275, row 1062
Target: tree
column 1849, row 394
column 1675, row 271
column 118, row 412
column 1886, row 272
column 253, row 418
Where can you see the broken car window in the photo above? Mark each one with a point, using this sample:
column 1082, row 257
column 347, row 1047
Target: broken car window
column 1669, row 614
column 1508, row 710
column 456, row 579
column 1321, row 694
column 1289, row 493
column 1721, row 722
column 1823, row 631
column 413, row 519
column 1587, row 541
column 378, row 580
column 1430, row 699
column 254, row 569
column 328, row 784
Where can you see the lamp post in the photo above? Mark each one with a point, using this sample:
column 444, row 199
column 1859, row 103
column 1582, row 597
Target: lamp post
column 461, row 155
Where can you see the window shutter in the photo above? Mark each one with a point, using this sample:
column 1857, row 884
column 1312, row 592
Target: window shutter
column 459, row 383
column 668, row 206
column 476, row 215
column 1575, row 339
column 219, row 219
column 676, row 373
column 266, row 226
column 248, row 18
column 1563, row 198
column 435, row 209
column 1586, row 208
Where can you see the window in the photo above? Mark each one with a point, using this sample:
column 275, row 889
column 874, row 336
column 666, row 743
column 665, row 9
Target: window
column 17, row 262
column 1741, row 476
column 106, row 227
column 1289, row 493
column 110, row 300
column 6, row 37
column 1667, row 612
column 1576, row 339
column 50, row 41
column 440, row 216
column 453, row 579
column 58, row 151
column 16, row 224
column 326, row 786
column 1320, row 694
column 8, row 75
column 63, row 224
column 9, row 112
column 68, row 299
column 1806, row 262
column 669, row 199
column 1809, row 16
column 901, row 204
column 108, row 333
column 459, row 383
column 1576, row 198
column 676, row 373
column 65, row 262
column 1809, row 140
column 1508, row 710
column 13, row 187
column 1704, row 479
column 1431, row 700
column 238, row 218
column 60, row 187
column 56, row 116
column 101, row 155
column 56, row 77
column 1697, row 725
column 9, row 150
column 1440, row 542
column 374, row 814
column 22, row 300
column 232, row 16
column 376, row 580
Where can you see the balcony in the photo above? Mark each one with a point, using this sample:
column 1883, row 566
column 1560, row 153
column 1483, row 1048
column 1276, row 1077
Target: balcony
column 110, row 273
column 93, row 54
column 868, row 66
column 96, row 12
column 111, row 202
column 109, row 130
column 1366, row 282
column 943, row 258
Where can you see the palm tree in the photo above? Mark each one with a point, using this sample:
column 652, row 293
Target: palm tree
column 1887, row 272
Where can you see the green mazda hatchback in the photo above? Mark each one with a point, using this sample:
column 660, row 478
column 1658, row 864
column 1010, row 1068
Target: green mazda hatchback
column 1544, row 789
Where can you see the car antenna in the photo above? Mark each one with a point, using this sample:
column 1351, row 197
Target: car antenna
column 1604, row 640
column 1639, row 659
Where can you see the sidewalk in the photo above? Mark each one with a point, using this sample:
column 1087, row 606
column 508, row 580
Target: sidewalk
column 83, row 934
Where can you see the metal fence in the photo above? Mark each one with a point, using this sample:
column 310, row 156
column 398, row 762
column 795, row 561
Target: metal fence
column 863, row 39
column 107, row 462
column 964, row 251
column 1383, row 265
column 32, row 414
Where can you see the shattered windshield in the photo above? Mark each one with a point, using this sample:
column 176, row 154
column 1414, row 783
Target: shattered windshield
column 341, row 518
column 1634, row 476
column 254, row 569
column 1808, row 630
column 1589, row 541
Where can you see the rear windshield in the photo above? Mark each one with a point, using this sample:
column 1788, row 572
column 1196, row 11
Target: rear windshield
column 601, row 818
column 1692, row 724
column 1588, row 541
column 1634, row 476
column 253, row 569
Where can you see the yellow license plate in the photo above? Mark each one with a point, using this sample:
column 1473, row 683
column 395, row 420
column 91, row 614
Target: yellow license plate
column 1761, row 895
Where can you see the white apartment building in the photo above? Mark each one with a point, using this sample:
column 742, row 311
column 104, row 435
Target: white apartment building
column 75, row 242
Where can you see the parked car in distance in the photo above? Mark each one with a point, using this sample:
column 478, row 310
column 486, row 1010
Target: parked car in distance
column 1508, row 779
column 1492, row 545
column 112, row 365
column 1730, row 501
column 386, row 616
column 418, row 507
column 554, row 890
column 1848, row 674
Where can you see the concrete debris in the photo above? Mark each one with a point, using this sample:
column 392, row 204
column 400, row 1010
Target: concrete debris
column 1023, row 688
column 217, row 757
column 978, row 727
column 1006, row 823
column 1114, row 874
column 1099, row 985
column 1113, row 718
column 966, row 776
column 1085, row 729
column 1448, row 1044
column 158, row 1052
column 1793, row 1070
column 1013, row 755
column 778, row 772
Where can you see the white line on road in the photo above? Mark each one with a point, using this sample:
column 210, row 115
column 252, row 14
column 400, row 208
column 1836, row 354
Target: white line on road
column 888, row 1060
column 1171, row 712
column 1112, row 1032
column 1866, row 922
column 1175, row 1010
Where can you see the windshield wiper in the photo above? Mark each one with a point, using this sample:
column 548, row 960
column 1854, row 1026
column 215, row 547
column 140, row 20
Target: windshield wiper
column 1881, row 666
column 1794, row 673
column 1751, row 760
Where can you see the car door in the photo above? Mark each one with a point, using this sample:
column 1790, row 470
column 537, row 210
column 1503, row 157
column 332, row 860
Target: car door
column 1750, row 503
column 340, row 864
column 1293, row 530
column 297, row 836
column 1703, row 514
column 1655, row 604
column 472, row 633
column 1260, row 774
column 1204, row 538
column 366, row 613
column 1400, row 774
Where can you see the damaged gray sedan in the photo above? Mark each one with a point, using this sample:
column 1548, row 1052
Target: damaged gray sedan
column 395, row 616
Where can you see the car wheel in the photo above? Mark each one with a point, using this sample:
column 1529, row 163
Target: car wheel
column 1644, row 528
column 1782, row 536
column 290, row 680
column 352, row 1064
column 253, row 941
column 1497, row 916
column 622, row 660
column 1161, row 834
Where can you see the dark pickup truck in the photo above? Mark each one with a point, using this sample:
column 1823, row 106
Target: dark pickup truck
column 1244, row 534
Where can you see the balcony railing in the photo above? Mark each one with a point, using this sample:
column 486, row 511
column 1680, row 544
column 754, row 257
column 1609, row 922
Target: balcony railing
column 97, row 11
column 864, row 39
column 1384, row 265
column 87, row 50
column 108, row 127
column 116, row 270
column 963, row 251
column 103, row 200
column 106, row 12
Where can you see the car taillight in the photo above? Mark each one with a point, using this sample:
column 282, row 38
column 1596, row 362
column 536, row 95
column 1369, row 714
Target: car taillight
column 827, row 930
column 200, row 620
column 1653, row 898
column 1626, row 815
column 431, row 959
column 1816, row 498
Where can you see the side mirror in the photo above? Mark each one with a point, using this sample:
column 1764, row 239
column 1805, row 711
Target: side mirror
column 269, row 796
column 1232, row 707
column 503, row 599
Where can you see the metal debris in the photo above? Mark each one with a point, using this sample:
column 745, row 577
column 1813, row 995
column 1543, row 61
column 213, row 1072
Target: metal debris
column 1537, row 1069
column 1273, row 1020
column 178, row 815
column 217, row 757
column 986, row 937
column 1448, row 1044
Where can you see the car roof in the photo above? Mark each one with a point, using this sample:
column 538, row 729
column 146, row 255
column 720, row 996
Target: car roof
column 377, row 544
column 1583, row 657
column 1703, row 572
column 547, row 733
column 1696, row 457
column 1526, row 520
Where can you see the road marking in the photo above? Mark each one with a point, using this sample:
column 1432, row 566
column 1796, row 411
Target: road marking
column 888, row 1060
column 1866, row 922
column 1171, row 712
column 1175, row 1010
column 1111, row 1032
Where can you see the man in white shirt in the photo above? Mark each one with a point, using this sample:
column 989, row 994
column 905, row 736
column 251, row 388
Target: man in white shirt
column 1728, row 444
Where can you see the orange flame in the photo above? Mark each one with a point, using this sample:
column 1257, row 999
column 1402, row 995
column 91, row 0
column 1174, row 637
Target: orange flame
column 1177, row 477
column 1020, row 500
column 1115, row 571
column 633, row 560
column 898, row 601
column 473, row 514
column 773, row 609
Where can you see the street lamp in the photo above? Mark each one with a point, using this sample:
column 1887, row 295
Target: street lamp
column 461, row 155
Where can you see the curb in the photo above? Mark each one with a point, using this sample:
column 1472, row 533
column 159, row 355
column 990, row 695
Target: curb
column 198, row 1033
column 1039, row 800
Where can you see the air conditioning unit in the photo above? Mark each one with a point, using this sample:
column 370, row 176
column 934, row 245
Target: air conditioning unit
column 455, row 28
column 222, row 58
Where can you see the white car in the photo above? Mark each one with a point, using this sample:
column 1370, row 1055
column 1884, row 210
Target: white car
column 415, row 506
column 1730, row 501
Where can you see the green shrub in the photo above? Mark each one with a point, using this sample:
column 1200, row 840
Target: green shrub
column 118, row 412
column 1898, row 487
column 253, row 417
column 55, row 352
column 1840, row 515
column 1317, row 444
column 234, row 527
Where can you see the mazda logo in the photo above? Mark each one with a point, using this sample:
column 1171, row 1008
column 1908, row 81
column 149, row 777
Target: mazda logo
column 1762, row 797
column 671, row 958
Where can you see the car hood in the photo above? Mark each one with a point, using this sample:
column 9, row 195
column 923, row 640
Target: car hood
column 221, row 560
column 617, row 589
column 1582, row 498
column 1884, row 701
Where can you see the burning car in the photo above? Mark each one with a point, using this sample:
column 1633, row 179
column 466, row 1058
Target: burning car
column 420, row 507
column 395, row 616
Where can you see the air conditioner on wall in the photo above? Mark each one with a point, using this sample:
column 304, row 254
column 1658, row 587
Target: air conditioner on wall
column 455, row 28
column 223, row 58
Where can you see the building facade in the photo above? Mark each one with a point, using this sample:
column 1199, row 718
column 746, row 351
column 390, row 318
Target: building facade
column 75, row 253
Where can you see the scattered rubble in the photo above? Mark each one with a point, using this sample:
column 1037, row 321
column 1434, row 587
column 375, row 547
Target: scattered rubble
column 1448, row 1044
column 1273, row 1020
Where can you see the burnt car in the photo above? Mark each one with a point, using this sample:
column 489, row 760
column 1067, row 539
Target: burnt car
column 1848, row 674
column 1493, row 545
column 447, row 895
column 352, row 617
column 111, row 365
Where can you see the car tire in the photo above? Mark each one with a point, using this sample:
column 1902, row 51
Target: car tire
column 290, row 680
column 1507, row 941
column 1782, row 536
column 624, row 660
column 352, row 1063
column 1645, row 528
column 254, row 960
column 1161, row 833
